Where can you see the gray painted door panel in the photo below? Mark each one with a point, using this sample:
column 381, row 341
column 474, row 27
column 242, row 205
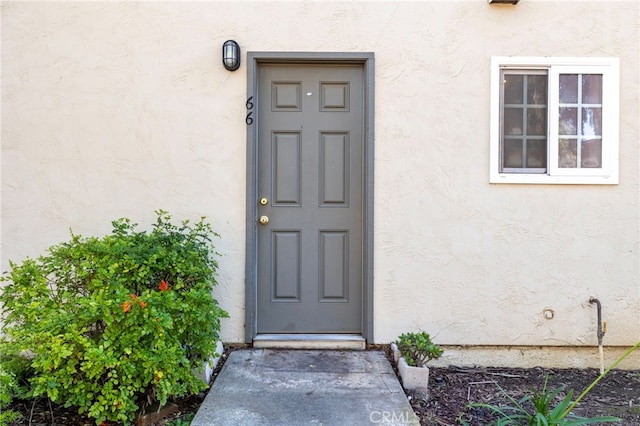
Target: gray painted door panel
column 310, row 168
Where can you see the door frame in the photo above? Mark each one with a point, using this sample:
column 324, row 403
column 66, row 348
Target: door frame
column 254, row 60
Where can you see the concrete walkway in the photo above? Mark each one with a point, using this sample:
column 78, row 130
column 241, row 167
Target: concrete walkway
column 302, row 387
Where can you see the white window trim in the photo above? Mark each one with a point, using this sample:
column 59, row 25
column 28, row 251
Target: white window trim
column 608, row 174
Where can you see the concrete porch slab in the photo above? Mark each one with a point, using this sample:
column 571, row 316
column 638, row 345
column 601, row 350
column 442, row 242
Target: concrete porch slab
column 301, row 387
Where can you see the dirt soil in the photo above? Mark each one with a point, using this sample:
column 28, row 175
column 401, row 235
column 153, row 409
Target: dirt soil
column 451, row 390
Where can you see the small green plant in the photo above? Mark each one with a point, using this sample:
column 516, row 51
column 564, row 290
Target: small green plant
column 110, row 324
column 537, row 409
column 417, row 348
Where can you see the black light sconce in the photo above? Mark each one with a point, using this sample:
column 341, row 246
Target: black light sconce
column 503, row 1
column 231, row 55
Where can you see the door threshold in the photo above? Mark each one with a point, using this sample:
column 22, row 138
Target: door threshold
column 309, row 341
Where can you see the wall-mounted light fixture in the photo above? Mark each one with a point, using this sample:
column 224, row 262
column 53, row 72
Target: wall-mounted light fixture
column 503, row 1
column 231, row 55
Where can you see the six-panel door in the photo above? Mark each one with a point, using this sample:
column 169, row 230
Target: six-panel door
column 310, row 170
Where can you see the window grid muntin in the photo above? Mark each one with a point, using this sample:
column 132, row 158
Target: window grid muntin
column 524, row 136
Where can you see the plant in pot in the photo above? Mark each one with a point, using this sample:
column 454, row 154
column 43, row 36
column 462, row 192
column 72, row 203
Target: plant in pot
column 412, row 352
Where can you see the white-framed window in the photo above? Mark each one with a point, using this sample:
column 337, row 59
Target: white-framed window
column 554, row 120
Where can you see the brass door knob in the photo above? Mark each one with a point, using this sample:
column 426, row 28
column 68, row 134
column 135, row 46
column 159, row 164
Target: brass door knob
column 264, row 220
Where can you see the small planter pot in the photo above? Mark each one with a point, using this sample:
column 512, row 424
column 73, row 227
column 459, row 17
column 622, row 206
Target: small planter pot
column 412, row 377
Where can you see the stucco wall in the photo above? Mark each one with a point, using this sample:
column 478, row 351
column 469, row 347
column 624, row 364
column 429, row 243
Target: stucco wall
column 117, row 109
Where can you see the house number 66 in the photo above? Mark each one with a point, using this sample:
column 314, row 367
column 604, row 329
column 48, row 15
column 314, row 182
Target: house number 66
column 249, row 119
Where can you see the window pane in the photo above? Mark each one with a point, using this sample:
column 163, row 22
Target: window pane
column 537, row 89
column 567, row 153
column 537, row 121
column 513, row 89
column 592, row 153
column 568, row 88
column 513, row 121
column 568, row 121
column 537, row 153
column 513, row 153
column 592, row 88
column 591, row 121
column 524, row 131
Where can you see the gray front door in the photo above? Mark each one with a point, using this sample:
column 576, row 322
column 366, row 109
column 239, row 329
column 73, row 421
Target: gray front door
column 310, row 171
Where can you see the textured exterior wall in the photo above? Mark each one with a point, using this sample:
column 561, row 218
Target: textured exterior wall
column 117, row 109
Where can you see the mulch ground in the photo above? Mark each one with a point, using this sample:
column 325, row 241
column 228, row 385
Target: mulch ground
column 451, row 390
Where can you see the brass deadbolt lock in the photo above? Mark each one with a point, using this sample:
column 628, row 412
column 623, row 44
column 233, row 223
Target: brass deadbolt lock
column 264, row 201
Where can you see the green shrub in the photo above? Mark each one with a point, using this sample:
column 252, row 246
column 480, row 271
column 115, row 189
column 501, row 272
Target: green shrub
column 417, row 348
column 113, row 323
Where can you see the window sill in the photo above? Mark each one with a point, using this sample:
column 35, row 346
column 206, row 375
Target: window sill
column 552, row 180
